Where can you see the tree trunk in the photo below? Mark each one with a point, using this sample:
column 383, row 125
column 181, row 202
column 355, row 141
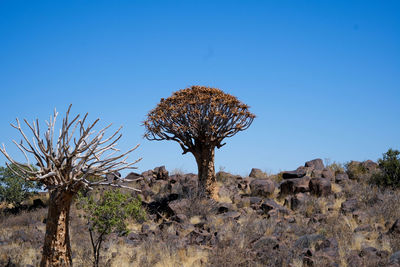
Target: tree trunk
column 206, row 172
column 57, row 248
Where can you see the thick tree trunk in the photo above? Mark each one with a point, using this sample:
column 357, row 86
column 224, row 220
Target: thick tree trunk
column 57, row 249
column 206, row 172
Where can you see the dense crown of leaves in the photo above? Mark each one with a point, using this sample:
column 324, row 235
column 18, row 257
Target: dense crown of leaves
column 197, row 115
column 109, row 211
column 13, row 189
column 389, row 166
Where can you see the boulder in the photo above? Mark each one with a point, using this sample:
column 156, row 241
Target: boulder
column 394, row 259
column 179, row 206
column 270, row 204
column 297, row 200
column 316, row 173
column 244, row 183
column 349, row 206
column 369, row 165
column 395, row 229
column 306, row 241
column 161, row 173
column 341, row 178
column 132, row 176
column 317, row 164
column 373, row 256
column 361, row 217
column 296, row 185
column 294, row 174
column 320, row 187
column 353, row 259
column 257, row 173
column 262, row 187
column 226, row 177
column 266, row 243
column 255, row 200
column 364, row 228
column 330, row 246
column 328, row 174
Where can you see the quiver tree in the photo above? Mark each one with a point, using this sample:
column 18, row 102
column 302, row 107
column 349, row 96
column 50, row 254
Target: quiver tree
column 65, row 166
column 199, row 119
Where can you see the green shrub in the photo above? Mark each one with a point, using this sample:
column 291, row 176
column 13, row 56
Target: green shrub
column 389, row 165
column 107, row 212
column 355, row 170
column 15, row 188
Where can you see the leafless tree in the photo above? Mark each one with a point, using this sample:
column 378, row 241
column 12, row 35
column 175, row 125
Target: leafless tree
column 66, row 165
column 199, row 119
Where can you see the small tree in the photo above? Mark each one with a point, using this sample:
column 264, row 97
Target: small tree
column 199, row 119
column 389, row 166
column 64, row 168
column 107, row 213
column 15, row 189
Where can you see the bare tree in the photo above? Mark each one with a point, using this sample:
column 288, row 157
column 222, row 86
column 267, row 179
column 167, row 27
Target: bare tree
column 65, row 166
column 199, row 119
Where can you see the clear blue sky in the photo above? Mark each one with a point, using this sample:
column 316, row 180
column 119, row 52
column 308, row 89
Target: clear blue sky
column 323, row 77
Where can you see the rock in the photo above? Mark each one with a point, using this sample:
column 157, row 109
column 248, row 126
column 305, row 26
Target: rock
column 132, row 176
column 180, row 218
column 372, row 255
column 306, row 241
column 353, row 259
column 266, row 243
column 360, row 217
column 224, row 207
column 199, row 237
column 317, row 164
column 161, row 206
column 328, row 174
column 349, row 205
column 232, row 215
column 329, row 246
column 148, row 173
column 297, row 200
column 161, row 173
column 257, row 173
column 316, row 173
column 244, row 183
column 369, row 165
column 394, row 258
column 175, row 188
column 296, row 185
column 270, row 204
column 364, row 228
column 262, row 187
column 255, row 200
column 395, row 229
column 320, row 187
column 179, row 206
column 226, row 177
column 341, row 178
column 294, row 174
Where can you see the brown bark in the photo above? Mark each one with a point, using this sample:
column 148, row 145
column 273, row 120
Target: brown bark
column 57, row 248
column 206, row 172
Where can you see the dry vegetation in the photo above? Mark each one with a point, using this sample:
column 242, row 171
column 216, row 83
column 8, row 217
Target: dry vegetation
column 234, row 230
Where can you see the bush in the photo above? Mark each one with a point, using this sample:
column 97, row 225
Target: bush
column 389, row 165
column 107, row 213
column 15, row 188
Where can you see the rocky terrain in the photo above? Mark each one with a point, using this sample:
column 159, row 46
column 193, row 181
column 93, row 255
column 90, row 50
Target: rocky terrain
column 315, row 215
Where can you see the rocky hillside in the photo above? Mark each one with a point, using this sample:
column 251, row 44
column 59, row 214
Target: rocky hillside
column 315, row 215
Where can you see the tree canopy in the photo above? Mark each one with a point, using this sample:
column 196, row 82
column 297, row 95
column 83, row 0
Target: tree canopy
column 197, row 115
column 15, row 188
